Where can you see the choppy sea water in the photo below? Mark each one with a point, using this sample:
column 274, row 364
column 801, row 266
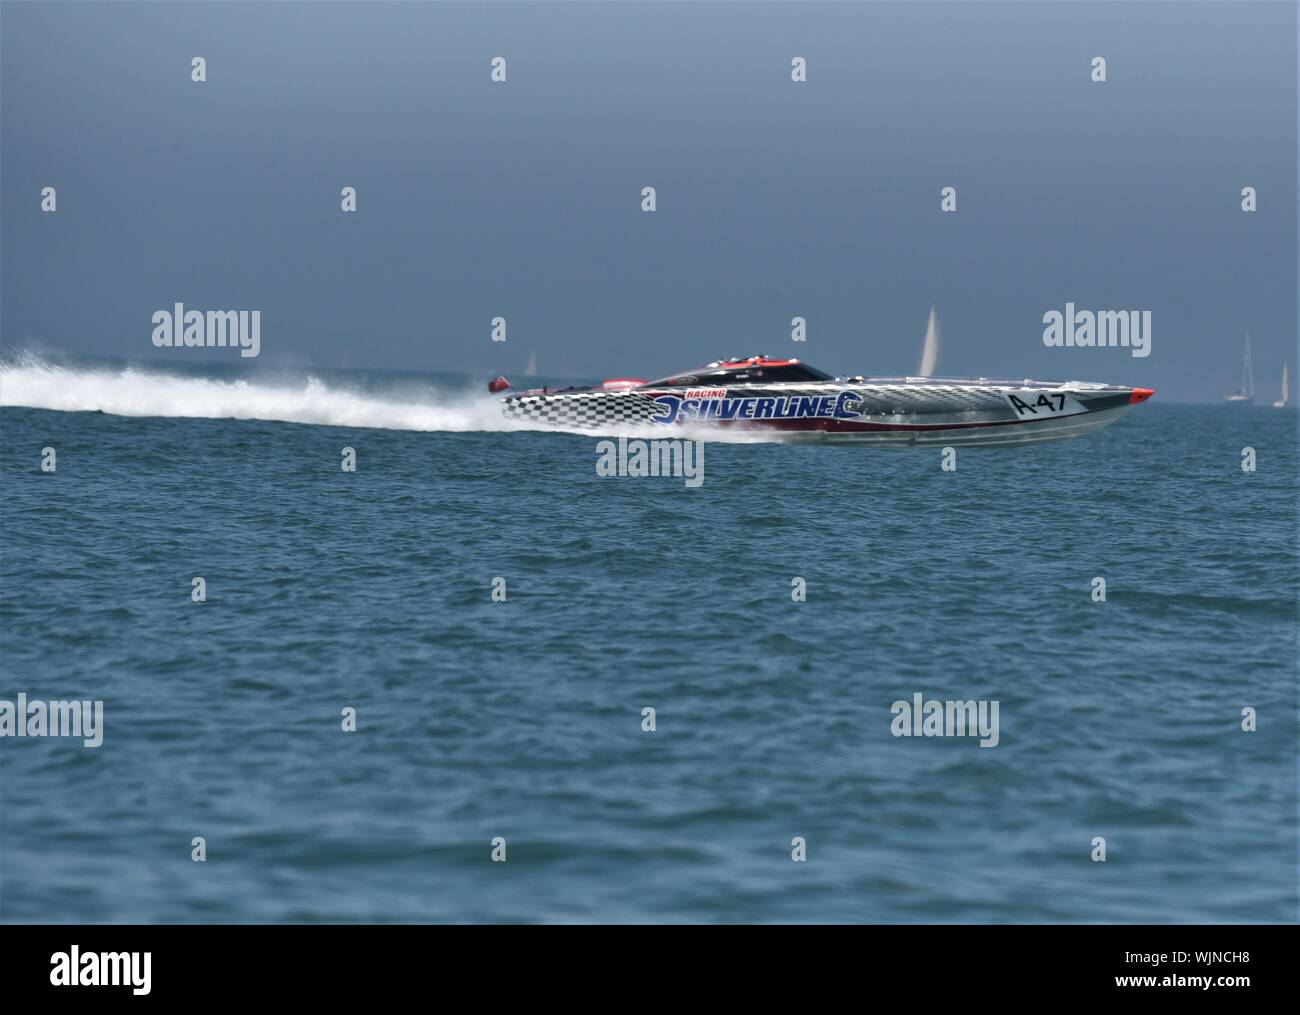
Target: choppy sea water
column 523, row 719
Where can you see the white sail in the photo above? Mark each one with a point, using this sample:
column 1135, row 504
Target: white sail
column 531, row 369
column 1244, row 395
column 1286, row 392
column 930, row 355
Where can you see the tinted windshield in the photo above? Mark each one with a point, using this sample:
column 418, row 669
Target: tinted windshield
column 706, row 377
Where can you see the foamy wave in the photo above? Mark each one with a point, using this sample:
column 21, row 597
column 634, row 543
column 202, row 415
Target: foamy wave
column 30, row 382
column 133, row 391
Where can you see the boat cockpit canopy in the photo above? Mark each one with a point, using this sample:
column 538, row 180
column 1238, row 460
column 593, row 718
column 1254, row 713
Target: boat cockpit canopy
column 750, row 370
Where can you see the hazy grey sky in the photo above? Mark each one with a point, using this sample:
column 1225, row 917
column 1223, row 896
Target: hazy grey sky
column 775, row 199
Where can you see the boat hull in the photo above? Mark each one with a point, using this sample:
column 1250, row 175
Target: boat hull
column 965, row 435
column 889, row 412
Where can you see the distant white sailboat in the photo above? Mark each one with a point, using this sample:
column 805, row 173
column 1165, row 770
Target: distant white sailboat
column 531, row 369
column 1286, row 392
column 1245, row 395
column 930, row 354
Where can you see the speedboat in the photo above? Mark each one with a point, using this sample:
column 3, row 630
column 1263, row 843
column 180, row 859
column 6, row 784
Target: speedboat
column 791, row 401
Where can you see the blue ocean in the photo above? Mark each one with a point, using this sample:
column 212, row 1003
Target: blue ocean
column 514, row 725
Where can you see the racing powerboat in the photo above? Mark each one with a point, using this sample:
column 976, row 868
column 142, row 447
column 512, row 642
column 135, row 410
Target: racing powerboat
column 790, row 401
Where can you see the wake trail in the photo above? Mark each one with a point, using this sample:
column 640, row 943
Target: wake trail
column 33, row 383
column 135, row 391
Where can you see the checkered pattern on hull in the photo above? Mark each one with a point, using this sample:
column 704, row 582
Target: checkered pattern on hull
column 895, row 399
column 596, row 410
column 906, row 399
column 582, row 410
column 901, row 400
